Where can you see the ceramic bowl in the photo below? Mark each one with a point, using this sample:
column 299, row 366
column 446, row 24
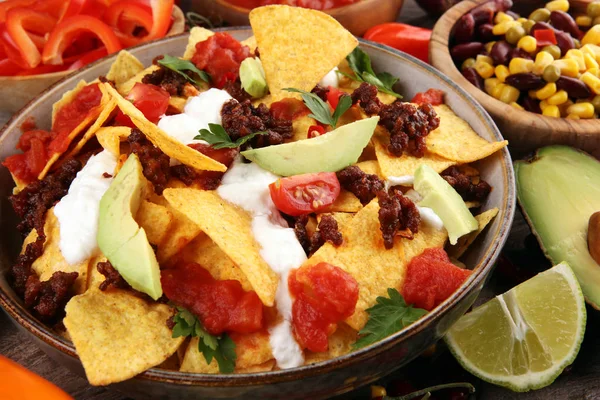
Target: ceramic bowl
column 16, row 91
column 524, row 130
column 315, row 381
column 356, row 17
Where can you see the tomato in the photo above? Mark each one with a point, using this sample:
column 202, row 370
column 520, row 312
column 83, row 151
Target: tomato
column 431, row 278
column 315, row 130
column 323, row 296
column 27, row 166
column 407, row 38
column 289, row 109
column 221, row 306
column 435, row 97
column 333, row 96
column 16, row 382
column 304, row 194
column 151, row 100
column 211, row 179
column 220, row 55
column 544, row 37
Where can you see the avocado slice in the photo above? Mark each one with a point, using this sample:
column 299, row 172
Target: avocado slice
column 558, row 190
column 326, row 153
column 445, row 202
column 253, row 78
column 120, row 238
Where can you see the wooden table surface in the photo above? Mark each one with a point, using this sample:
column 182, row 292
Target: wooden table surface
column 521, row 258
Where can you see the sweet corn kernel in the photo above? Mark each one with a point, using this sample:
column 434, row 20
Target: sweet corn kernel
column 558, row 98
column 543, row 105
column 558, row 5
column 489, row 84
column 546, row 91
column 576, row 55
column 573, row 116
column 592, row 50
column 486, row 59
column 497, row 90
column 484, row 69
column 532, row 94
column 501, row 72
column 468, row 63
column 564, row 106
column 590, row 61
column 551, row 111
column 527, row 43
column 568, row 67
column 542, row 60
column 377, row 391
column 522, row 20
column 517, row 105
column 509, row 94
column 518, row 65
column 594, row 71
column 582, row 110
column 592, row 81
column 591, row 37
column 583, row 21
column 488, row 46
column 503, row 27
column 502, row 17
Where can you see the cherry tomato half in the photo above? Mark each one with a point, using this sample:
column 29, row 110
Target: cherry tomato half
column 304, row 194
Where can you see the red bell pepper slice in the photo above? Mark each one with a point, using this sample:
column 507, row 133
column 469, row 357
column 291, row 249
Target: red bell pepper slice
column 88, row 58
column 71, row 8
column 7, row 5
column 8, row 67
column 131, row 14
column 161, row 18
column 545, row 37
column 42, row 69
column 410, row 39
column 67, row 30
column 17, row 20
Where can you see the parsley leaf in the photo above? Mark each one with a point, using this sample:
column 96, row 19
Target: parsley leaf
column 219, row 139
column 386, row 317
column 320, row 109
column 222, row 348
column 360, row 63
column 178, row 65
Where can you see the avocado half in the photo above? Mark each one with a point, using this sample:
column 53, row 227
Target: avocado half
column 558, row 190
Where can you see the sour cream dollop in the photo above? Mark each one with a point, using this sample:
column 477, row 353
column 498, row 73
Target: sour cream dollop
column 78, row 211
column 331, row 79
column 247, row 185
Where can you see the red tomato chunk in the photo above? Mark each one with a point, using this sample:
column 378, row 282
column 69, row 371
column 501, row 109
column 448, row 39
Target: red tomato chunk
column 220, row 55
column 289, row 109
column 431, row 278
column 221, row 306
column 324, row 295
column 151, row 100
column 27, row 166
column 435, row 97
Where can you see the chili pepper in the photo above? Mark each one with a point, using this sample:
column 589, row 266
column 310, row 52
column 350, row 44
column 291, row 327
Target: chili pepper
column 410, row 39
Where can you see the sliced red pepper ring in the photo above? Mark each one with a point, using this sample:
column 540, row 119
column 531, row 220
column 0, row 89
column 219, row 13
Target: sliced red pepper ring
column 71, row 8
column 132, row 12
column 410, row 39
column 17, row 20
column 67, row 30
column 8, row 67
column 7, row 5
column 88, row 58
column 161, row 18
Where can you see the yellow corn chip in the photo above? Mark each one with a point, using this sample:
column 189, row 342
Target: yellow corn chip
column 194, row 361
column 340, row 343
column 95, row 278
column 131, row 334
column 264, row 367
column 169, row 145
column 342, row 218
column 155, row 220
column 370, row 167
column 177, row 102
column 300, row 126
column 66, row 98
column 426, row 238
column 181, row 232
column 92, row 130
column 251, row 43
column 464, row 242
column 456, row 140
column 346, row 202
column 230, row 228
column 298, row 46
column 126, row 86
column 19, row 184
column 125, row 67
column 197, row 35
column 473, row 204
column 110, row 137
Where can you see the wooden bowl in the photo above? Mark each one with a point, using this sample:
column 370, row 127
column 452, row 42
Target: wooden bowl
column 16, row 91
column 356, row 17
column 524, row 130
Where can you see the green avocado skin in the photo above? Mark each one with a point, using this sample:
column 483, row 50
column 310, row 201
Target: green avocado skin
column 120, row 238
column 558, row 190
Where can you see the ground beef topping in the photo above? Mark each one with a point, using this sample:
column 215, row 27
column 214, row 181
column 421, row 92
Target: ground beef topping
column 321, row 92
column 112, row 277
column 398, row 215
column 241, row 119
column 234, row 88
column 48, row 298
column 407, row 124
column 362, row 185
column 31, row 203
column 167, row 79
column 302, row 233
column 327, row 231
column 154, row 162
column 21, row 270
column 206, row 180
column 465, row 186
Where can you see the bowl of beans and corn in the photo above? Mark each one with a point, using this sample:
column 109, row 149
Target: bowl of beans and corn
column 534, row 66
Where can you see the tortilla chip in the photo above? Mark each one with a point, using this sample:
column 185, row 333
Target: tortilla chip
column 370, row 167
column 92, row 130
column 52, row 260
column 346, row 202
column 117, row 335
column 473, row 204
column 204, row 251
column 125, row 67
column 426, row 238
column 169, row 145
column 126, row 86
column 457, row 141
column 300, row 126
column 230, row 228
column 464, row 242
column 342, row 218
column 197, row 35
column 179, row 235
column 19, row 184
column 155, row 219
column 66, row 98
column 95, row 278
column 194, row 361
column 264, row 367
column 110, row 137
column 340, row 343
column 298, row 46
column 177, row 103
column 251, row 43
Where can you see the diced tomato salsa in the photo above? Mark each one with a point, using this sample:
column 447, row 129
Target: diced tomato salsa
column 28, row 165
column 435, row 97
column 323, row 296
column 289, row 109
column 221, row 306
column 314, row 4
column 431, row 278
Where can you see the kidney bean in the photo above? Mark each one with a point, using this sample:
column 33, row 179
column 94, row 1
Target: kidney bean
column 503, row 5
column 461, row 52
column 472, row 76
column 520, row 53
column 500, row 52
column 464, row 29
column 525, row 81
column 483, row 15
column 512, row 14
column 564, row 22
column 574, row 87
column 484, row 33
column 564, row 41
column 540, row 25
column 531, row 105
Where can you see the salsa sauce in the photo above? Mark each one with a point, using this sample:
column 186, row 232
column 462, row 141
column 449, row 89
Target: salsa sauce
column 314, row 4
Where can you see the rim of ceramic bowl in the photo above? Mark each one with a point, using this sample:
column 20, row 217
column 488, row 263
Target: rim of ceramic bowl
column 481, row 270
column 332, row 11
column 439, row 51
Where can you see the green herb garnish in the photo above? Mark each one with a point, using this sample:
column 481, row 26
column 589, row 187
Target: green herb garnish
column 360, row 63
column 222, row 348
column 178, row 65
column 386, row 317
column 219, row 139
column 320, row 110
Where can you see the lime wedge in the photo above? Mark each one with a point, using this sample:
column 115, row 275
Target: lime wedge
column 524, row 338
